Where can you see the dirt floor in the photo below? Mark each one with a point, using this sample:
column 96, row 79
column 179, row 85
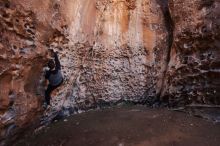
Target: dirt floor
column 127, row 126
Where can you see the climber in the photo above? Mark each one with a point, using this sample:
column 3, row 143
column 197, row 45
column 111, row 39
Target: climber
column 54, row 76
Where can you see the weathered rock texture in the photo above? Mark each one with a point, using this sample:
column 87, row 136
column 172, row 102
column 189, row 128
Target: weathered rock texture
column 23, row 54
column 194, row 68
column 110, row 50
column 119, row 51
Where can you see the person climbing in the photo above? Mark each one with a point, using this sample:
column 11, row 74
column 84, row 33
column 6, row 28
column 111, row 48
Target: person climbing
column 54, row 76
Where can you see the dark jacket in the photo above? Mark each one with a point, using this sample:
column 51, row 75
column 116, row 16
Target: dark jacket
column 55, row 77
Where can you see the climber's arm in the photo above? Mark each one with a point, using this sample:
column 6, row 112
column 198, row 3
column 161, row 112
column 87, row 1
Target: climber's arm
column 47, row 74
column 45, row 82
column 57, row 62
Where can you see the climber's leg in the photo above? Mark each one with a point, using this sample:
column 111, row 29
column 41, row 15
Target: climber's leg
column 48, row 92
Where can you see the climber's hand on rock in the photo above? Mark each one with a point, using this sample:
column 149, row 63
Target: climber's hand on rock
column 53, row 53
column 56, row 54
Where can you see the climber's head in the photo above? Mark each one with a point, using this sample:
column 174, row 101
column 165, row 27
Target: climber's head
column 51, row 64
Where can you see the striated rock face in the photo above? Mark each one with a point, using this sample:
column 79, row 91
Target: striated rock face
column 193, row 72
column 110, row 51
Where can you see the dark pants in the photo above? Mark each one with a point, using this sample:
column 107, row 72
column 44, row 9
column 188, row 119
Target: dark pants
column 49, row 90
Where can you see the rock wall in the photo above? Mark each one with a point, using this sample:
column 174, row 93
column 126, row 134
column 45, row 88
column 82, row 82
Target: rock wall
column 193, row 74
column 21, row 62
column 23, row 54
column 117, row 51
column 110, row 51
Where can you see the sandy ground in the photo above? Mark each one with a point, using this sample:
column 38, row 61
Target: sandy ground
column 127, row 126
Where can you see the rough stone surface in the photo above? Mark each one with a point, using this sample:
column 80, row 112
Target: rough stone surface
column 193, row 73
column 110, row 50
column 23, row 54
